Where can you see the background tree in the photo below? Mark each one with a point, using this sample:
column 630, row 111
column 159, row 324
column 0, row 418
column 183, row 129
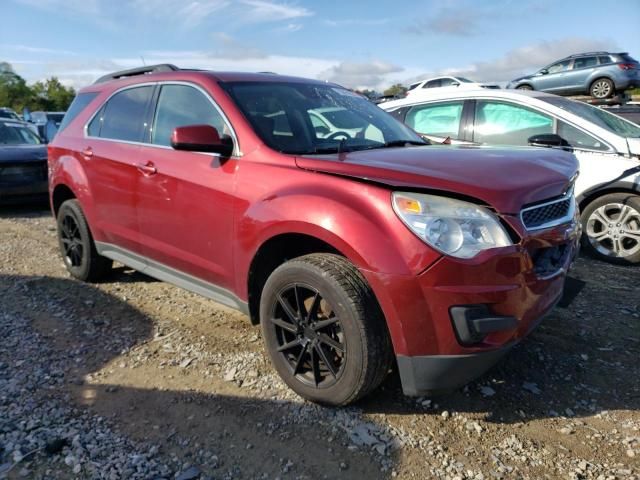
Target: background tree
column 48, row 95
column 397, row 89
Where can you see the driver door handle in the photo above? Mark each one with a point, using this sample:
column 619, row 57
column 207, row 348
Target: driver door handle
column 87, row 153
column 147, row 168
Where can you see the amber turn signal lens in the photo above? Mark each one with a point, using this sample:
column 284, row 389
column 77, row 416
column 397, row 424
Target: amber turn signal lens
column 408, row 205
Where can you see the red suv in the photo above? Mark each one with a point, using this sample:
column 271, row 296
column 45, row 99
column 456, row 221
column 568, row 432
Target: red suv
column 320, row 216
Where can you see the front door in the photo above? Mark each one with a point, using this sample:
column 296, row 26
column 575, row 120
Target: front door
column 186, row 199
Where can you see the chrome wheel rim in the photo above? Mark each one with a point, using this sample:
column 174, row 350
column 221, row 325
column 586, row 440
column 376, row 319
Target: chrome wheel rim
column 601, row 89
column 309, row 335
column 614, row 230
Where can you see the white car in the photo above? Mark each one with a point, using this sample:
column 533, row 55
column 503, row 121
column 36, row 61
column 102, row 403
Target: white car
column 607, row 147
column 446, row 83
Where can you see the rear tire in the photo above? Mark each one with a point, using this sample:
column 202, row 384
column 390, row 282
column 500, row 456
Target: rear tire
column 524, row 87
column 611, row 228
column 602, row 88
column 77, row 246
column 324, row 330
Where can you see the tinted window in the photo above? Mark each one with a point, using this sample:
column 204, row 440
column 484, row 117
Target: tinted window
column 440, row 119
column 446, row 82
column 559, row 67
column 79, row 104
column 123, row 117
column 8, row 114
column 579, row 139
column 507, row 124
column 585, row 62
column 604, row 59
column 628, row 58
column 433, row 84
column 182, row 105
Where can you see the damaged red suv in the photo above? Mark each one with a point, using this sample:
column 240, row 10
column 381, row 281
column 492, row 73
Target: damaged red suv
column 353, row 244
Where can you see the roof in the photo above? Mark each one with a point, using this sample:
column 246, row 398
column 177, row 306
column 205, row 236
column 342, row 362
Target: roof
column 168, row 72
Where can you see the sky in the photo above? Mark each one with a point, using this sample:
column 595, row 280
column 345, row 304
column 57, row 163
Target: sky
column 359, row 44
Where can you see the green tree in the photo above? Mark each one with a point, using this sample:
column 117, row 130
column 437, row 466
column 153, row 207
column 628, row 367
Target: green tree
column 48, row 95
column 396, row 89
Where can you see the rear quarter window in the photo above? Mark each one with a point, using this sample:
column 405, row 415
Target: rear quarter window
column 78, row 105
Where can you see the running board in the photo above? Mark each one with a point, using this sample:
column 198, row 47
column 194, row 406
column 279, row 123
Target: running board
column 170, row 275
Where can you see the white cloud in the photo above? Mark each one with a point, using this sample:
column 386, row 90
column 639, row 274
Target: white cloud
column 522, row 60
column 30, row 49
column 266, row 11
column 187, row 13
column 361, row 75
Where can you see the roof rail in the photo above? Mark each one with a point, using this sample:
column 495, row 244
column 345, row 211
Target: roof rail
column 587, row 53
column 162, row 67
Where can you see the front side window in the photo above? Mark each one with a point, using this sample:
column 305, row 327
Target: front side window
column 585, row 62
column 501, row 123
column 578, row 139
column 182, row 105
column 439, row 120
column 124, row 115
column 315, row 118
column 433, row 84
column 559, row 67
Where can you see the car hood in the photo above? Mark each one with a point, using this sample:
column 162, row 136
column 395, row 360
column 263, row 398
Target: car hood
column 22, row 153
column 505, row 179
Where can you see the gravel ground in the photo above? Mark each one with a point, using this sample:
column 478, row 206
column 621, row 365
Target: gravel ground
column 133, row 378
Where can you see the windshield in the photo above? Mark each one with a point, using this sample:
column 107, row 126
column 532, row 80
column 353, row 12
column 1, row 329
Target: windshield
column 597, row 116
column 310, row 118
column 17, row 134
column 464, row 80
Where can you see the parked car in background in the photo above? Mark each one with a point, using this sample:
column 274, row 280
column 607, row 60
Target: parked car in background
column 599, row 74
column 47, row 123
column 350, row 250
column 425, row 87
column 9, row 114
column 607, row 146
column 23, row 163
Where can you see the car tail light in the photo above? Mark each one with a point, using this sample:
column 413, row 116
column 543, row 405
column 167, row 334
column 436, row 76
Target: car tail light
column 627, row 66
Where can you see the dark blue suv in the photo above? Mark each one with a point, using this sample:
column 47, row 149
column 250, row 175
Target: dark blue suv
column 599, row 74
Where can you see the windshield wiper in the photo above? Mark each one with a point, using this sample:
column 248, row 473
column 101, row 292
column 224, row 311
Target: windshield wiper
column 401, row 143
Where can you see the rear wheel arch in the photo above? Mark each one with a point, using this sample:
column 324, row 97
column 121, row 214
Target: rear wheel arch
column 61, row 193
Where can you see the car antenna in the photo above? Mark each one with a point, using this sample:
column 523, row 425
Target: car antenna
column 143, row 62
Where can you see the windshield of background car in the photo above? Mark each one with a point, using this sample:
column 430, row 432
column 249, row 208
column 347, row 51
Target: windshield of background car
column 464, row 80
column 597, row 116
column 288, row 117
column 17, row 134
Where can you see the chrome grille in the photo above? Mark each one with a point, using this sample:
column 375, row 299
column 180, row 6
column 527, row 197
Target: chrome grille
column 549, row 214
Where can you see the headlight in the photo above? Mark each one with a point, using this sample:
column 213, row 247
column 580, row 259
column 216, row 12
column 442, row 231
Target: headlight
column 454, row 227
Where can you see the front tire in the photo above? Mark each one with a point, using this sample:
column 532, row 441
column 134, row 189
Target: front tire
column 611, row 228
column 524, row 87
column 77, row 246
column 602, row 88
column 324, row 330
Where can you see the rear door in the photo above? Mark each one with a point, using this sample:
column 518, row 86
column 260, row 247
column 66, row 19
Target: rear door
column 111, row 150
column 578, row 76
column 185, row 208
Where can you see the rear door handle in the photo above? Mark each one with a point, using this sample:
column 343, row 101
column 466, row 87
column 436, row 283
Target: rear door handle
column 147, row 168
column 87, row 153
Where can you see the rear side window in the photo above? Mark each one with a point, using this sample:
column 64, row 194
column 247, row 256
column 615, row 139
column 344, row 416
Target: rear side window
column 182, row 105
column 439, row 120
column 604, row 59
column 78, row 105
column 124, row 115
column 507, row 124
column 585, row 62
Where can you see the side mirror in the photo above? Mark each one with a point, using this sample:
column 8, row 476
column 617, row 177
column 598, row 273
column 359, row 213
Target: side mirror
column 548, row 140
column 455, row 84
column 544, row 71
column 200, row 138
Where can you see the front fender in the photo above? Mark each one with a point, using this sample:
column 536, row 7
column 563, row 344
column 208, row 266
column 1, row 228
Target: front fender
column 354, row 218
